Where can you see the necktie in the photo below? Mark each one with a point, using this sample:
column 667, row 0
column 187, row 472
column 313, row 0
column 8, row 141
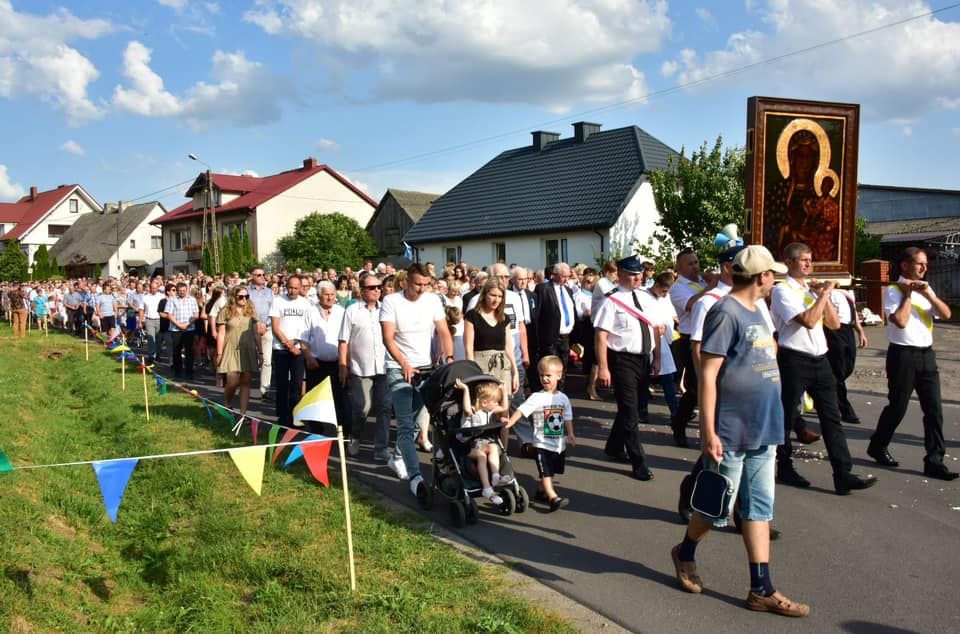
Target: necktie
column 643, row 327
column 563, row 302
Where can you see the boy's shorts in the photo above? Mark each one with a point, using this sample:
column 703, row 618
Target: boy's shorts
column 550, row 463
column 131, row 323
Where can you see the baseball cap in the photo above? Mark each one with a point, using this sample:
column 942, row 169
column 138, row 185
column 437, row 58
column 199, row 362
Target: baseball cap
column 756, row 259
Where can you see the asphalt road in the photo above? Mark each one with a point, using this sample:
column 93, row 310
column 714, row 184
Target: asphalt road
column 881, row 560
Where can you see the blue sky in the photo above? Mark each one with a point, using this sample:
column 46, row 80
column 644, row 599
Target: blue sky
column 417, row 95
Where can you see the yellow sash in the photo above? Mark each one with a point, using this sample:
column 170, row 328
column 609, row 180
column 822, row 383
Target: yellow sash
column 921, row 311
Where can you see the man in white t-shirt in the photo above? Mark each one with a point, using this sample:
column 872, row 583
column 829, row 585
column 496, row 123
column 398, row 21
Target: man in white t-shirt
column 409, row 319
column 291, row 321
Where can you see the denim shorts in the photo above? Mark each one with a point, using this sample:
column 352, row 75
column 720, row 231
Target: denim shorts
column 756, row 470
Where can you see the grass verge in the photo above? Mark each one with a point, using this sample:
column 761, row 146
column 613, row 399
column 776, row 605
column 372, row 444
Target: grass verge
column 194, row 548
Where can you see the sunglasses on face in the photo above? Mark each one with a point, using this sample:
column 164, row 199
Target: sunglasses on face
column 242, row 296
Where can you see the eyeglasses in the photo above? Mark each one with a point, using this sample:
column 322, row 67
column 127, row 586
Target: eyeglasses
column 242, row 296
column 373, row 287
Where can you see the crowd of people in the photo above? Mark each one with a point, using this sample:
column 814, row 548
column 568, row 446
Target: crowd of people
column 733, row 345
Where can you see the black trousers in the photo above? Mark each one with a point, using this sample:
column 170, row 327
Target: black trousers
column 341, row 400
column 559, row 347
column 630, row 375
column 842, row 353
column 182, row 342
column 910, row 368
column 683, row 357
column 799, row 373
column 288, row 373
column 76, row 321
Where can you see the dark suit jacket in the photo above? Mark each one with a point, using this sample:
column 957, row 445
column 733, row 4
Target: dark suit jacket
column 550, row 316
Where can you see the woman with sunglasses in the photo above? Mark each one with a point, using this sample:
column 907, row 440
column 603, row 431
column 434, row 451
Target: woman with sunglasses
column 238, row 346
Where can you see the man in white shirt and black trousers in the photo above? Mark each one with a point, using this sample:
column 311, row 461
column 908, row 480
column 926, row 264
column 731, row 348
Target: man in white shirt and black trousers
column 911, row 306
column 625, row 339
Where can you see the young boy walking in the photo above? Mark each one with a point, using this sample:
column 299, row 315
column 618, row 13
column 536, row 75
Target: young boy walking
column 550, row 413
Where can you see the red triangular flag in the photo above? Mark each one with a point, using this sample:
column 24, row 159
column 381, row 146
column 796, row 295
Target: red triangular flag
column 287, row 437
column 316, row 454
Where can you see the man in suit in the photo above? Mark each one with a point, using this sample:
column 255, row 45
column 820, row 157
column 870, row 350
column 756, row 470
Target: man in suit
column 556, row 315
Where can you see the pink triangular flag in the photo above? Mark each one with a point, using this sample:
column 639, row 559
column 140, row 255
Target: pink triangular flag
column 289, row 435
column 250, row 461
column 254, row 426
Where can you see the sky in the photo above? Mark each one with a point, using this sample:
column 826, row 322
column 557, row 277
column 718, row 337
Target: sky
column 418, row 95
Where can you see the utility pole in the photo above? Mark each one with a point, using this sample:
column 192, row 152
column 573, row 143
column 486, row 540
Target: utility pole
column 213, row 221
column 119, row 261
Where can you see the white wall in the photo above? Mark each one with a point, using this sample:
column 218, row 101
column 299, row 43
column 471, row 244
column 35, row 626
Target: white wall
column 321, row 192
column 527, row 251
column 59, row 215
column 637, row 222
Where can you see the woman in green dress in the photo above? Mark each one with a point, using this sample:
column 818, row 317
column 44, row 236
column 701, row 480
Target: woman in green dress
column 238, row 346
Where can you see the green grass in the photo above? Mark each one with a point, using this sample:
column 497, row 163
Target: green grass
column 194, row 549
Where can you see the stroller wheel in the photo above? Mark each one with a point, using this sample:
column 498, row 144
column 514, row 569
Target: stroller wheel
column 523, row 500
column 509, row 502
column 425, row 496
column 473, row 513
column 458, row 514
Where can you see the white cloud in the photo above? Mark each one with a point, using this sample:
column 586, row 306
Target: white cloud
column 551, row 53
column 907, row 131
column 176, row 5
column 37, row 61
column 9, row 191
column 956, row 132
column 244, row 92
column 73, row 147
column 898, row 72
column 326, row 145
column 704, row 15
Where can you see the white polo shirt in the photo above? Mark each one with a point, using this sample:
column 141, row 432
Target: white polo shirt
column 325, row 332
column 919, row 330
column 625, row 331
column 702, row 306
column 843, row 301
column 362, row 333
column 788, row 299
column 680, row 294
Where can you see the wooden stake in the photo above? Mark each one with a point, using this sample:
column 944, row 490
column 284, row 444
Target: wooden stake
column 123, row 371
column 146, row 399
column 86, row 342
column 346, row 506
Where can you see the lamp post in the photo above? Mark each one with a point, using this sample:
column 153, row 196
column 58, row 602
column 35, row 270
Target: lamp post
column 208, row 204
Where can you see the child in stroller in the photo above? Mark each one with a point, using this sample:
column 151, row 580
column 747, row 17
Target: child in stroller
column 489, row 400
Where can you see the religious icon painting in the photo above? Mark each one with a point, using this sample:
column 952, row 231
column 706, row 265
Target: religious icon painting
column 801, row 178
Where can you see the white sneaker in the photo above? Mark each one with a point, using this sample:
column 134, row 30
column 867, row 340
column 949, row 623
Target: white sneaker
column 397, row 465
column 503, row 480
column 493, row 497
column 495, row 479
column 415, row 483
column 353, row 447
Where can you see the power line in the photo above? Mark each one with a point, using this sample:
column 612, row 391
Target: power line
column 659, row 93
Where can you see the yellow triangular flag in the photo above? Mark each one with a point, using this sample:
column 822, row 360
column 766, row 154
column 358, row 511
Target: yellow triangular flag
column 249, row 461
column 317, row 405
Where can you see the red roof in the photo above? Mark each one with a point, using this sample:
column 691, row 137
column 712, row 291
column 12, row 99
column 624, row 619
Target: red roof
column 254, row 191
column 27, row 212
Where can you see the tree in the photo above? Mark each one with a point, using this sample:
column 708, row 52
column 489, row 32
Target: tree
column 246, row 248
column 234, row 248
column 41, row 263
column 13, row 263
column 867, row 245
column 326, row 240
column 696, row 197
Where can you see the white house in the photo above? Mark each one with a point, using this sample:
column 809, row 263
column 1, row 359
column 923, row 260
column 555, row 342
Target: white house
column 117, row 240
column 42, row 217
column 267, row 208
column 580, row 199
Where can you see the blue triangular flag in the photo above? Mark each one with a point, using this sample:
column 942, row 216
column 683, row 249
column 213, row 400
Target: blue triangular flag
column 296, row 453
column 113, row 476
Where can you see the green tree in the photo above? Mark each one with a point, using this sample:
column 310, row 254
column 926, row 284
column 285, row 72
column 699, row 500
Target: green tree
column 867, row 245
column 326, row 240
column 13, row 263
column 97, row 272
column 206, row 262
column 246, row 248
column 696, row 197
column 235, row 248
column 41, row 263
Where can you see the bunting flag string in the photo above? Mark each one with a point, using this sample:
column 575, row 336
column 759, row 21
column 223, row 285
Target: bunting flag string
column 249, row 461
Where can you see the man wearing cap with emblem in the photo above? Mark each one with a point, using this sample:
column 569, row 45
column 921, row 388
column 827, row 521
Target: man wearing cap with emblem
column 911, row 306
column 627, row 355
column 800, row 309
column 741, row 422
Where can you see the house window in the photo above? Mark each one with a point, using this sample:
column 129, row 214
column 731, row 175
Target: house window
column 55, row 231
column 133, row 244
column 499, row 251
column 453, row 254
column 156, row 242
column 3, row 229
column 74, row 206
column 556, row 250
column 178, row 239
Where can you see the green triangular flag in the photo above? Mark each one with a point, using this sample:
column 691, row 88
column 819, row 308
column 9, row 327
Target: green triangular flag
column 163, row 388
column 272, row 438
column 4, row 463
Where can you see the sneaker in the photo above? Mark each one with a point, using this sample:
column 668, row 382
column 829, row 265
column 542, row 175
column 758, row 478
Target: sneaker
column 778, row 604
column 353, row 447
column 495, row 479
column 415, row 483
column 381, row 455
column 503, row 480
column 398, row 467
column 493, row 497
column 687, row 573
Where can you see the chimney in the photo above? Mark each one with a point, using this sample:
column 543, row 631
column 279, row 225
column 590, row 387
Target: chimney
column 542, row 139
column 309, row 163
column 582, row 130
column 33, row 193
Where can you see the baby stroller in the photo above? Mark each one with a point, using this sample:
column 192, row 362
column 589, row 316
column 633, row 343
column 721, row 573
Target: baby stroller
column 453, row 474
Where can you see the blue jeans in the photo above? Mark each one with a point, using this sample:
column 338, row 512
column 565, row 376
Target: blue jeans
column 407, row 406
column 755, row 468
column 668, row 383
